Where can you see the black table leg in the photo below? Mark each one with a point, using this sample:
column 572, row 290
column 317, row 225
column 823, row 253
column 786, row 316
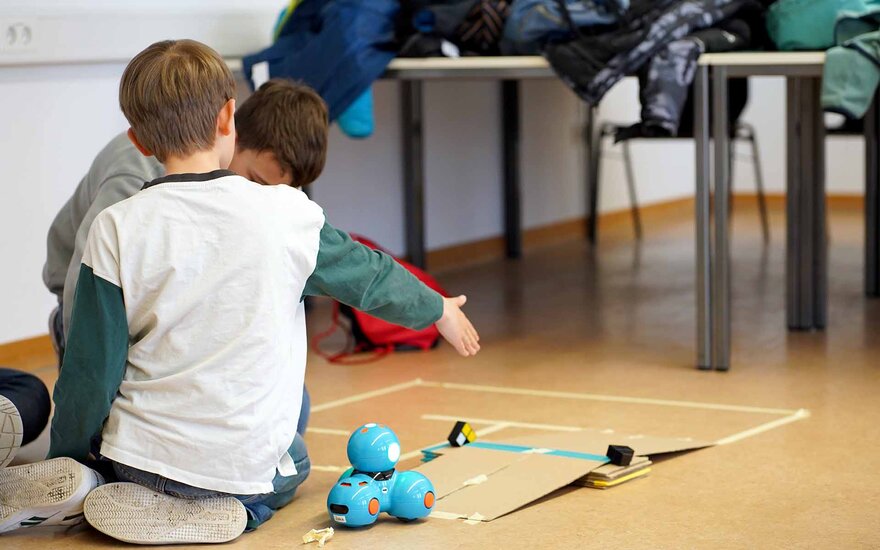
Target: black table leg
column 413, row 170
column 872, row 199
column 703, row 201
column 592, row 145
column 806, row 258
column 510, row 152
column 720, row 285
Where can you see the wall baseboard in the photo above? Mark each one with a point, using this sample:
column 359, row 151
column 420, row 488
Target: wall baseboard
column 15, row 352
column 614, row 224
column 777, row 200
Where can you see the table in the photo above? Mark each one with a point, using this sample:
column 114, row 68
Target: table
column 806, row 260
column 806, row 255
column 413, row 73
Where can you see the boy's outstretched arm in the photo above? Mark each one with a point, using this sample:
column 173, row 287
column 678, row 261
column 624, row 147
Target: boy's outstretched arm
column 375, row 283
column 96, row 354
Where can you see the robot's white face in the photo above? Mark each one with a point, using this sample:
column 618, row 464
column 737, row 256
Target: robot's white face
column 393, row 452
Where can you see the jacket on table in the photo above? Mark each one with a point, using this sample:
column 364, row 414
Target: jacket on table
column 338, row 47
column 852, row 68
column 475, row 27
column 661, row 42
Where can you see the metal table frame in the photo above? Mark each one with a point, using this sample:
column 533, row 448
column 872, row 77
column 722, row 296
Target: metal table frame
column 806, row 264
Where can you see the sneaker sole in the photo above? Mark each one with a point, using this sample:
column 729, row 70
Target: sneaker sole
column 45, row 493
column 132, row 513
column 11, row 431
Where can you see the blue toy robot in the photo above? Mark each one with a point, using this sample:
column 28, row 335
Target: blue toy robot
column 373, row 485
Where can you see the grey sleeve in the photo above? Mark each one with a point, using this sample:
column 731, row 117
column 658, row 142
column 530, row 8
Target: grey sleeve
column 115, row 189
column 60, row 242
column 372, row 282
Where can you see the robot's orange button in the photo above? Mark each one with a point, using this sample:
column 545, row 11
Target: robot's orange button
column 429, row 499
column 374, row 506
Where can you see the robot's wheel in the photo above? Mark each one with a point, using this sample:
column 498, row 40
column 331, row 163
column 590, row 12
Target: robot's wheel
column 407, row 520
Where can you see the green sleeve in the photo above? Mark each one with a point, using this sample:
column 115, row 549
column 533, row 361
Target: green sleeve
column 372, row 282
column 93, row 366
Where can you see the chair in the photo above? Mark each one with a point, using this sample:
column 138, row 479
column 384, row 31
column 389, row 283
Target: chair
column 741, row 131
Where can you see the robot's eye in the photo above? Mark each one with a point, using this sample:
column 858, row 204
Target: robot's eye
column 362, row 483
column 346, row 484
column 374, row 506
column 339, row 508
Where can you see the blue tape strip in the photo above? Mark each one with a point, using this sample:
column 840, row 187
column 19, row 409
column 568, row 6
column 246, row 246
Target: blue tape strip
column 520, row 449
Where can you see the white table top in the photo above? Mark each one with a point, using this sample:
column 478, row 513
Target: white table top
column 537, row 67
column 470, row 63
column 740, row 63
column 500, row 67
column 762, row 58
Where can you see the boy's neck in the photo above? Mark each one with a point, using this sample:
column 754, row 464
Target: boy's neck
column 198, row 163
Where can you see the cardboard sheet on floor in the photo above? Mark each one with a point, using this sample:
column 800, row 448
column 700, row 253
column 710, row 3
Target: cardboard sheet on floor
column 485, row 483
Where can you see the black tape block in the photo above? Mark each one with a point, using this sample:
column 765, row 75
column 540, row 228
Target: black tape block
column 620, row 455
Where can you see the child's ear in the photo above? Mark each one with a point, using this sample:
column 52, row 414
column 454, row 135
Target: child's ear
column 133, row 138
column 226, row 119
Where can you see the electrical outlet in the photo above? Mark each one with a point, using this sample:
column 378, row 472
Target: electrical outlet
column 16, row 36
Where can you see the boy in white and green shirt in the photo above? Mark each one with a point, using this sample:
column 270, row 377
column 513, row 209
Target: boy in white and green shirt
column 187, row 345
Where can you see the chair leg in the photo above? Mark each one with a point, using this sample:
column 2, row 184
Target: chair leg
column 631, row 186
column 731, row 164
column 594, row 143
column 759, row 183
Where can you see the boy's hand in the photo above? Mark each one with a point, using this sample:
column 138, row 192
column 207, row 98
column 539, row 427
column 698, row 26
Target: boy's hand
column 455, row 327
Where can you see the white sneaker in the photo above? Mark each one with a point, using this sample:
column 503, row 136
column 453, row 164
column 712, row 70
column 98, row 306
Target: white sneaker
column 11, row 431
column 51, row 492
column 132, row 513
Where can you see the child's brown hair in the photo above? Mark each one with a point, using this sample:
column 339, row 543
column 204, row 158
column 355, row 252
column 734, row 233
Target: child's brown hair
column 171, row 94
column 290, row 120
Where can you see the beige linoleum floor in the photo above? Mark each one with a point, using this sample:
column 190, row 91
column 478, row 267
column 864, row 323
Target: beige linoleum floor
column 619, row 320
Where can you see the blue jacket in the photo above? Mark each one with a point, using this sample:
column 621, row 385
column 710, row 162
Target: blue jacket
column 338, row 47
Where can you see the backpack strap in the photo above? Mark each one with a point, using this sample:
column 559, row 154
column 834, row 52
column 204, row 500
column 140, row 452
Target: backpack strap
column 346, row 357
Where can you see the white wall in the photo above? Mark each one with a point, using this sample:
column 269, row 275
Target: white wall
column 55, row 118
column 463, row 164
column 69, row 31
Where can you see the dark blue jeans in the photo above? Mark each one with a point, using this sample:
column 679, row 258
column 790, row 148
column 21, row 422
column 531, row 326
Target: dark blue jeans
column 260, row 508
column 30, row 397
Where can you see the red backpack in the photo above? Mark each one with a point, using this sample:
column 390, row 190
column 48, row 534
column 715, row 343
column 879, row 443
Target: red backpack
column 369, row 333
